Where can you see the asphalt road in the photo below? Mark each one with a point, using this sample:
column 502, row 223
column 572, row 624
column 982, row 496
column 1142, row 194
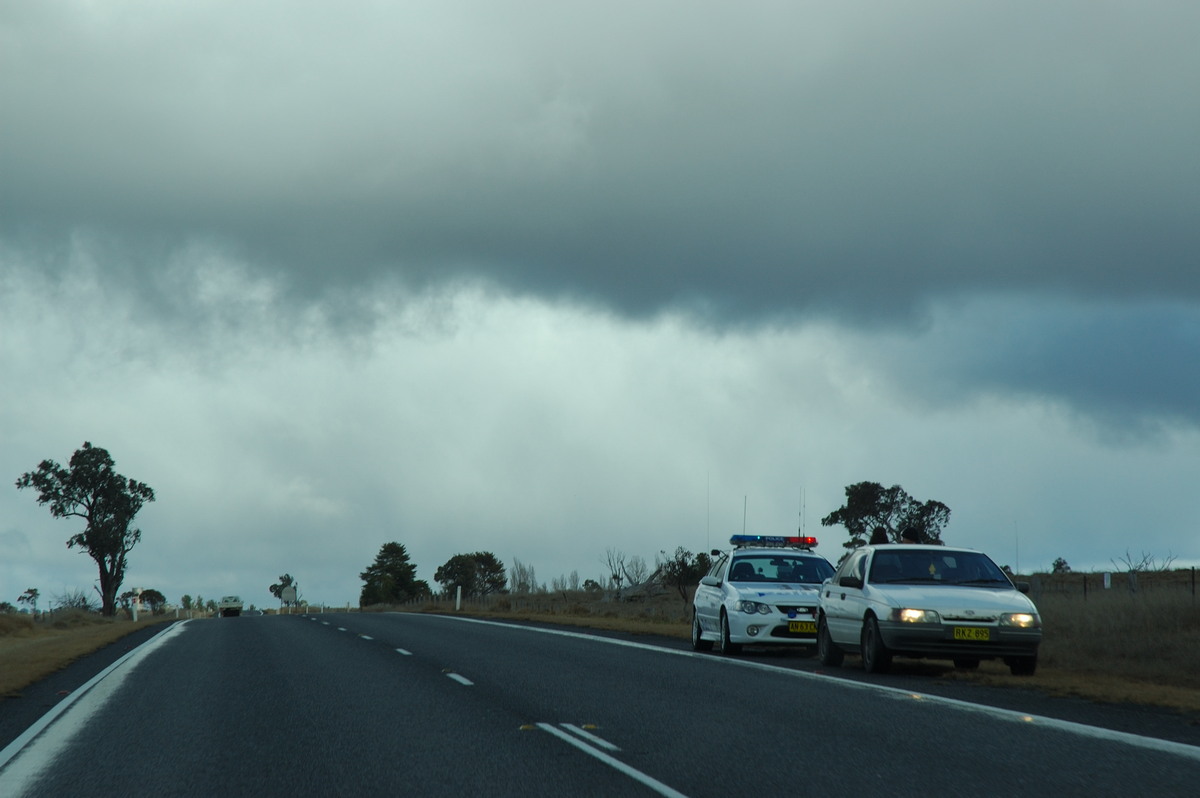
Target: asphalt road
column 374, row 704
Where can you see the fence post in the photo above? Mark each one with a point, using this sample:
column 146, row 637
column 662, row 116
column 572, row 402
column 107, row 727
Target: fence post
column 1085, row 587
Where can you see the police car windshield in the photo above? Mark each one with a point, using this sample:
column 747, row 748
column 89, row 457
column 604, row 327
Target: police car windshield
column 779, row 568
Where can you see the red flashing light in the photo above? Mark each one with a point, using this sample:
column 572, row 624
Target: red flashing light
column 772, row 540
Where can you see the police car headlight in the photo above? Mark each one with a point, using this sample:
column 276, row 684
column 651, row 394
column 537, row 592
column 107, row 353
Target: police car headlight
column 1021, row 620
column 908, row 615
column 754, row 607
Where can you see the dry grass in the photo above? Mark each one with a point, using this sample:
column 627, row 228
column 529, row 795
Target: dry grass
column 32, row 651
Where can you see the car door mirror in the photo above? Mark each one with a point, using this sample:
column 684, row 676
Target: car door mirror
column 850, row 581
column 710, row 581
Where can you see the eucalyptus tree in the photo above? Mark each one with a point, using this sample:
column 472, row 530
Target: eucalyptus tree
column 90, row 488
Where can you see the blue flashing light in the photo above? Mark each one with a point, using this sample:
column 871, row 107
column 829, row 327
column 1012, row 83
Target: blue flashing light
column 772, row 540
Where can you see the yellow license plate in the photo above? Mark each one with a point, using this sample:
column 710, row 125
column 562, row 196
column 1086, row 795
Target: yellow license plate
column 805, row 626
column 972, row 633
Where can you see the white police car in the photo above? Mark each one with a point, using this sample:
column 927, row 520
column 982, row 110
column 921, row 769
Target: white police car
column 926, row 601
column 764, row 591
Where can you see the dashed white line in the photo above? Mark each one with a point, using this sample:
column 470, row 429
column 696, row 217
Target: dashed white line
column 460, row 679
column 366, row 637
column 405, row 653
column 591, row 738
column 613, row 762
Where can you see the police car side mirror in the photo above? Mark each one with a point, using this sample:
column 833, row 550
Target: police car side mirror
column 710, row 581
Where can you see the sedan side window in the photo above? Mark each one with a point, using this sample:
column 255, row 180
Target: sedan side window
column 853, row 566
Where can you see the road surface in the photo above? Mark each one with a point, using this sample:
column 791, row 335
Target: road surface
column 374, row 704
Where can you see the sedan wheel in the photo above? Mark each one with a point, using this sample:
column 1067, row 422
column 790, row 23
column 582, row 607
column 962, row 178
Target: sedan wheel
column 727, row 646
column 875, row 656
column 827, row 650
column 1022, row 666
column 698, row 642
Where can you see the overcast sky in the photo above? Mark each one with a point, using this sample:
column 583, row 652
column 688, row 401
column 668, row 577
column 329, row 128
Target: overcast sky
column 548, row 279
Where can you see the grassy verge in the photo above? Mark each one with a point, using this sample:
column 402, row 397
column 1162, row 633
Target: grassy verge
column 32, row 651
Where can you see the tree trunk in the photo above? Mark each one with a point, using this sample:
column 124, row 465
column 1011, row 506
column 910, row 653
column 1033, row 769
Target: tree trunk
column 108, row 594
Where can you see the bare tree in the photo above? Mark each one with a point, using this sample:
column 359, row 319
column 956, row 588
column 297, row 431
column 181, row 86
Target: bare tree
column 636, row 570
column 1146, row 564
column 521, row 578
column 75, row 599
column 630, row 570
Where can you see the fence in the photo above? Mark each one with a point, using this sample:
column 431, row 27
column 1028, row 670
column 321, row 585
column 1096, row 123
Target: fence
column 1181, row 581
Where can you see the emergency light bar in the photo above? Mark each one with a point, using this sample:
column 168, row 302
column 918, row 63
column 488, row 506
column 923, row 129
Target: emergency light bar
column 772, row 540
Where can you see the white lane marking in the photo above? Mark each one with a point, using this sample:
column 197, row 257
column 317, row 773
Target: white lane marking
column 1023, row 718
column 591, row 738
column 614, row 763
column 325, row 623
column 460, row 679
column 341, row 628
column 366, row 637
column 405, row 653
column 23, row 760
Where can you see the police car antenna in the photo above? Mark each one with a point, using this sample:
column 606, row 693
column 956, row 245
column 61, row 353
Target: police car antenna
column 801, row 511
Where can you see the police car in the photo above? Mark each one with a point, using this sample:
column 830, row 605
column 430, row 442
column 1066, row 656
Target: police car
column 764, row 591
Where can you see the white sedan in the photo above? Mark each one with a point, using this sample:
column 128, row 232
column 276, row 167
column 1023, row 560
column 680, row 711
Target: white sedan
column 762, row 592
column 926, row 601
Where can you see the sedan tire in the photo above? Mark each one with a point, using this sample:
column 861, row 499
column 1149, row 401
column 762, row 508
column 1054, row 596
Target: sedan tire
column 727, row 646
column 1022, row 666
column 875, row 655
column 827, row 650
column 698, row 642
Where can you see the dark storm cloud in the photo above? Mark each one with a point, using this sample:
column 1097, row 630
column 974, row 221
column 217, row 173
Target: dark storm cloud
column 769, row 160
column 1125, row 365
column 854, row 160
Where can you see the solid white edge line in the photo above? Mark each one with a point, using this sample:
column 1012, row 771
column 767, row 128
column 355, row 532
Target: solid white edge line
column 591, row 738
column 463, row 680
column 27, row 736
column 614, row 763
column 1024, row 718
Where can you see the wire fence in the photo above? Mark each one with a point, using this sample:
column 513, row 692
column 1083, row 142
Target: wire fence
column 1181, row 581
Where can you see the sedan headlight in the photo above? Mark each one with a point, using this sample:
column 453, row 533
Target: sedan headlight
column 908, row 615
column 1022, row 620
column 753, row 607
